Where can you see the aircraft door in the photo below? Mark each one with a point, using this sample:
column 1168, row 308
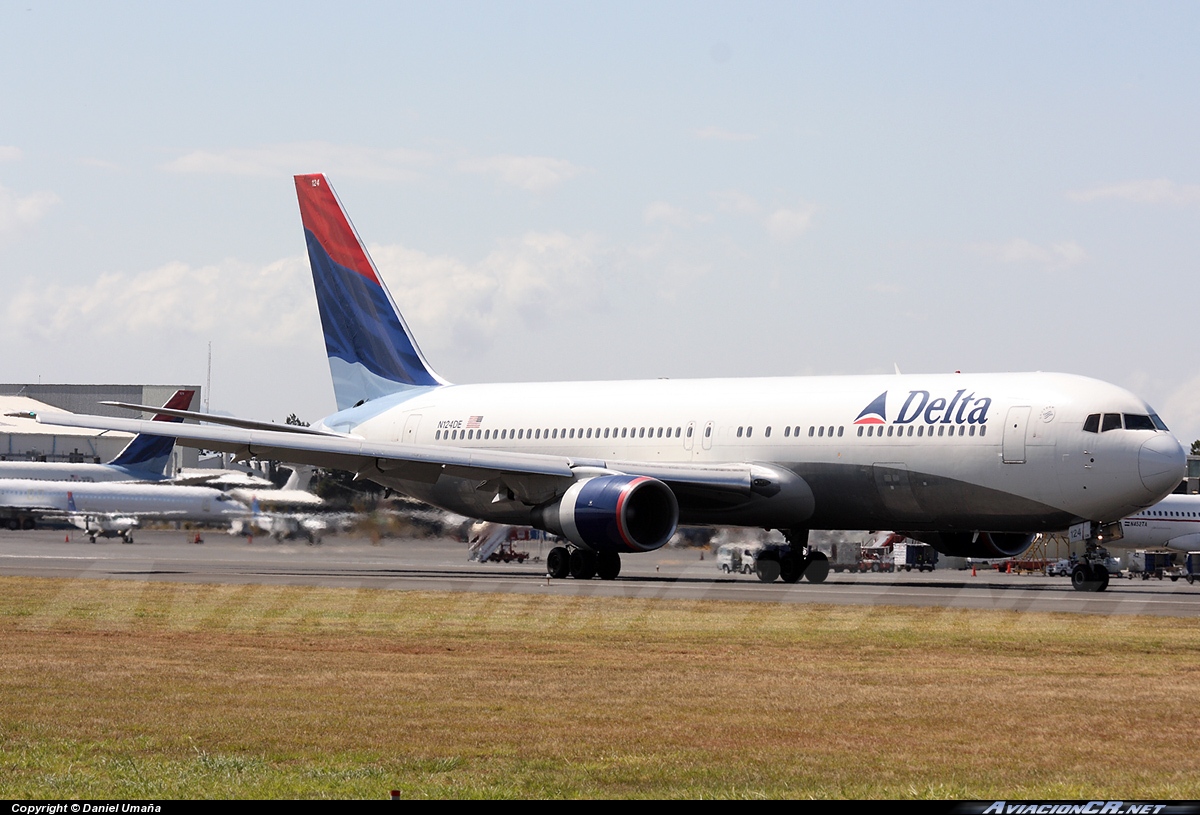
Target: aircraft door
column 1014, row 434
column 688, row 434
column 410, row 429
column 706, row 439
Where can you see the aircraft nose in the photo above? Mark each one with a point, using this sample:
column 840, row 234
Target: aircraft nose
column 1162, row 464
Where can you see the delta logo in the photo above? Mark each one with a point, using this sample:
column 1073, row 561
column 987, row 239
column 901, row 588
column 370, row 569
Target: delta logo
column 962, row 408
column 874, row 413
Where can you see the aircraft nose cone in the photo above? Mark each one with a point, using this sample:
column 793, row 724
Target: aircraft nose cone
column 1162, row 464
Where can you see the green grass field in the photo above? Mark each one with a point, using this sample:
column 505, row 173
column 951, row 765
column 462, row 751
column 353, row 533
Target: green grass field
column 121, row 689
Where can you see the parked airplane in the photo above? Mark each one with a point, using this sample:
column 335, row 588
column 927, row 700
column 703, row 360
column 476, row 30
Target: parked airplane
column 145, row 458
column 973, row 464
column 279, row 525
column 1174, row 523
column 293, row 494
column 110, row 506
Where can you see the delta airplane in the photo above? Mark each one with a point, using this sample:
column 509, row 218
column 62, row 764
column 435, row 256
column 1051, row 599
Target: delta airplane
column 974, row 464
column 145, row 458
column 113, row 507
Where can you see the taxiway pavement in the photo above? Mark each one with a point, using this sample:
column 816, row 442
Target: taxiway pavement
column 442, row 565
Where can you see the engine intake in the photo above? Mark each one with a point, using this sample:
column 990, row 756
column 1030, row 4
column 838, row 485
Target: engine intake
column 615, row 513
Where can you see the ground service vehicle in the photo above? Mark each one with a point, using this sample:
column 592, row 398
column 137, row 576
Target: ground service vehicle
column 1149, row 563
column 909, row 555
column 736, row 558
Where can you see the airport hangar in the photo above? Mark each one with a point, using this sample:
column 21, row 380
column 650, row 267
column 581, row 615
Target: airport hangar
column 23, row 439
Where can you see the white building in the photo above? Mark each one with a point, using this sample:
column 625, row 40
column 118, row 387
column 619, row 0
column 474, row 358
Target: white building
column 23, row 439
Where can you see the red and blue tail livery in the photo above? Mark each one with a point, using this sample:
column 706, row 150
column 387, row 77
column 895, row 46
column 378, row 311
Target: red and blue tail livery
column 149, row 454
column 371, row 351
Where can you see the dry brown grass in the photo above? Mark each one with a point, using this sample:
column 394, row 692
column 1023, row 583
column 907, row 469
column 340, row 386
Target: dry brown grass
column 173, row 690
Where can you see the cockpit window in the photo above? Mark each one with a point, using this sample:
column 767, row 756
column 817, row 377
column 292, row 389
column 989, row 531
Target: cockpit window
column 1157, row 421
column 1136, row 421
column 1112, row 421
column 1092, row 423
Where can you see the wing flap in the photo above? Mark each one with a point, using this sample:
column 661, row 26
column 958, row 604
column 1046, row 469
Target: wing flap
column 419, row 462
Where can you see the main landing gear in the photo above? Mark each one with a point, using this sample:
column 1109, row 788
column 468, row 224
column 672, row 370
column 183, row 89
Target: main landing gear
column 582, row 564
column 791, row 561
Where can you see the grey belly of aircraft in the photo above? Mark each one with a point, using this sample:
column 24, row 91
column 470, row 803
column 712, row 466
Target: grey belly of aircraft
column 847, row 496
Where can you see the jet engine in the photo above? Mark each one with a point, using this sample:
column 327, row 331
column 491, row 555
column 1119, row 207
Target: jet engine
column 976, row 544
column 615, row 513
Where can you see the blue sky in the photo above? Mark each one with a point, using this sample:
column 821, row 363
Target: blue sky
column 588, row 190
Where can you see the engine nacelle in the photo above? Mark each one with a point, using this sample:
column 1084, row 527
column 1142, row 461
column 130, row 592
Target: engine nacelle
column 615, row 513
column 976, row 544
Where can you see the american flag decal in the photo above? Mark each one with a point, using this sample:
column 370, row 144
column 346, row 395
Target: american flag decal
column 474, row 421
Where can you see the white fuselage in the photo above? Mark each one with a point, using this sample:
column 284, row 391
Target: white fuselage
column 165, row 501
column 66, row 471
column 1004, row 452
column 1173, row 522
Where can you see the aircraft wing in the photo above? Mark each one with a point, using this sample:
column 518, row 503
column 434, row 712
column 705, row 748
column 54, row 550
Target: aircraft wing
column 536, row 476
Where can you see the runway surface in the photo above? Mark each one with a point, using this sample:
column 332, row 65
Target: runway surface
column 442, row 565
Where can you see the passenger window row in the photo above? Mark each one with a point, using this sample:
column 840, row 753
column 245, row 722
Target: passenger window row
column 920, row 430
column 743, row 431
column 564, row 433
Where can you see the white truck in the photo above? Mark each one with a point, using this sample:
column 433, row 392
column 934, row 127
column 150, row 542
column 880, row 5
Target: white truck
column 737, row 558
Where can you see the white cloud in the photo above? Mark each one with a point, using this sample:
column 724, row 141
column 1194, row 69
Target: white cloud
column 734, row 201
column 18, row 212
column 533, row 173
column 10, row 153
column 660, row 212
column 1054, row 256
column 786, row 224
column 1151, row 191
column 267, row 306
column 304, row 157
column 720, row 134
column 454, row 303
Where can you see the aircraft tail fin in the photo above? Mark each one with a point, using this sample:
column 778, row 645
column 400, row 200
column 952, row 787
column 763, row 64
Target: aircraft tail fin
column 371, row 351
column 149, row 452
column 71, row 502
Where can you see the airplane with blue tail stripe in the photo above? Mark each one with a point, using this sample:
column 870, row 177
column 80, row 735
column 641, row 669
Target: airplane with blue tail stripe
column 974, row 464
column 145, row 458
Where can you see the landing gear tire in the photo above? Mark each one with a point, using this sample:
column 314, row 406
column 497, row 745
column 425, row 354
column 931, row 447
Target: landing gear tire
column 1101, row 575
column 791, row 568
column 558, row 562
column 1079, row 577
column 583, row 564
column 608, row 565
column 1083, row 578
column 767, row 570
column 818, row 568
